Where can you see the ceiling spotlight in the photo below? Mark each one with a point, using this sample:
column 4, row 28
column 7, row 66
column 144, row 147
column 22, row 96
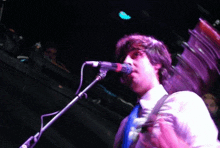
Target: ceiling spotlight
column 124, row 16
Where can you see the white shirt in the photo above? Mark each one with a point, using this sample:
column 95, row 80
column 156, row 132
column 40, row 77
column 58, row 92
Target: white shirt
column 185, row 111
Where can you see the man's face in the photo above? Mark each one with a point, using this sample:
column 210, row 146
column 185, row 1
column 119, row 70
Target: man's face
column 211, row 105
column 144, row 75
column 51, row 53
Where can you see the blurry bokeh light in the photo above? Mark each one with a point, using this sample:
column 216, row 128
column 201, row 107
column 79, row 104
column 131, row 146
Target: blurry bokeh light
column 124, row 16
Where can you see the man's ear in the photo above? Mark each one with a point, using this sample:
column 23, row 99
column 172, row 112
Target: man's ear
column 157, row 67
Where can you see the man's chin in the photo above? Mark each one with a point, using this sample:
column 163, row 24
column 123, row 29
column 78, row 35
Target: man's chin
column 126, row 82
column 132, row 87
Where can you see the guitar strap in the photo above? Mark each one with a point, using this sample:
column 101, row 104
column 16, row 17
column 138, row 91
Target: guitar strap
column 134, row 114
column 152, row 117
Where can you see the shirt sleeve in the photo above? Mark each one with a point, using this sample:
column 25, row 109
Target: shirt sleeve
column 186, row 112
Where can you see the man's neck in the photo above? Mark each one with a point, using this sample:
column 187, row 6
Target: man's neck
column 140, row 95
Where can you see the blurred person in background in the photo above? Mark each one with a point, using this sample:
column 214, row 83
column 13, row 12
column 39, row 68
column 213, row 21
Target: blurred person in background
column 212, row 104
column 50, row 53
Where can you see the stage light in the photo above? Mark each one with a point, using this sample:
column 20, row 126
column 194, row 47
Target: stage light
column 124, row 16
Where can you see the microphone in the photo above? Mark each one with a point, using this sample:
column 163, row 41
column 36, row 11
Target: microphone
column 117, row 67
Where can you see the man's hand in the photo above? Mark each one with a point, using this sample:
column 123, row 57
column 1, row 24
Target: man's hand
column 167, row 138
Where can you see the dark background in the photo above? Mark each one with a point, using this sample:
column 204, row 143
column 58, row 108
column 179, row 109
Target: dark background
column 83, row 30
column 88, row 30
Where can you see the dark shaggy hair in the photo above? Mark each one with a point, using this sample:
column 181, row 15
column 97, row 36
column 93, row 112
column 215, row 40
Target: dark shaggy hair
column 155, row 50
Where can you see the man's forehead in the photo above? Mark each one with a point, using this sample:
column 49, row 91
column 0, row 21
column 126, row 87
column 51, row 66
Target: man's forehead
column 134, row 51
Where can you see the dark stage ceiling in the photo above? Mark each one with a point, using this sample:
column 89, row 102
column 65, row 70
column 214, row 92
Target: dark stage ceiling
column 88, row 30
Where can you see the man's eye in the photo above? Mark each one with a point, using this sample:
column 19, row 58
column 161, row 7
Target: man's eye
column 137, row 54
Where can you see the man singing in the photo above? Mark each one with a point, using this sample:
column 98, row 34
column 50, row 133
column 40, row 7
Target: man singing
column 184, row 114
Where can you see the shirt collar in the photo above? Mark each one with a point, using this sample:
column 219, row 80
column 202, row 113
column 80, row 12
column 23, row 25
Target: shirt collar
column 150, row 98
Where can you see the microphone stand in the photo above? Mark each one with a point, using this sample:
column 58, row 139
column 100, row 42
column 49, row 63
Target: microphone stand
column 31, row 142
column 1, row 10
